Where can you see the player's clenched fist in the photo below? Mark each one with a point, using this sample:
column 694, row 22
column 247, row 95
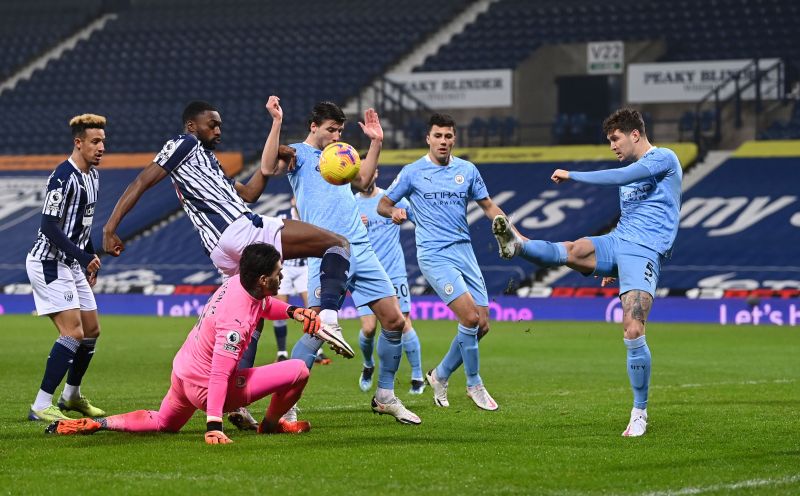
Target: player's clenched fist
column 305, row 316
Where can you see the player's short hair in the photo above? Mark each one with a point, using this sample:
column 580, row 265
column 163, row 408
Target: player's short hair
column 626, row 120
column 324, row 111
column 196, row 108
column 441, row 120
column 80, row 123
column 257, row 259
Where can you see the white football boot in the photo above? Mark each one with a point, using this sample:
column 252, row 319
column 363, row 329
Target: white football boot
column 507, row 239
column 396, row 409
column 638, row 424
column 332, row 334
column 482, row 398
column 439, row 388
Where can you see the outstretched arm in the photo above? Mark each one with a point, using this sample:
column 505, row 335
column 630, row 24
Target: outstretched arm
column 146, row 179
column 372, row 128
column 490, row 208
column 269, row 156
column 609, row 177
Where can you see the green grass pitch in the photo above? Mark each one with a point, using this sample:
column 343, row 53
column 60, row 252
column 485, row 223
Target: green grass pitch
column 724, row 405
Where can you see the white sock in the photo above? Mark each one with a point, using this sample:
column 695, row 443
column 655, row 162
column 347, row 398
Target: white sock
column 71, row 392
column 283, row 353
column 637, row 412
column 384, row 395
column 43, row 400
column 329, row 316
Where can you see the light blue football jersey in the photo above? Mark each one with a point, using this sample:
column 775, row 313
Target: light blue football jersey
column 439, row 195
column 323, row 204
column 384, row 235
column 650, row 204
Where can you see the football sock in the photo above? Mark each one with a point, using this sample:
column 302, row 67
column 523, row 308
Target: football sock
column 544, row 253
column 79, row 365
column 249, row 354
column 306, row 349
column 333, row 277
column 639, row 370
column 366, row 344
column 451, row 361
column 58, row 363
column 390, row 349
column 468, row 342
column 280, row 334
column 412, row 348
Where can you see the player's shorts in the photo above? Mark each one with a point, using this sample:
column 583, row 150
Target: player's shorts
column 238, row 235
column 368, row 280
column 403, row 296
column 636, row 266
column 453, row 271
column 295, row 280
column 58, row 286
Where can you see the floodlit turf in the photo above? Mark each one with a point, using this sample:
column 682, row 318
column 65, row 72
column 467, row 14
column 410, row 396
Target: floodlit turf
column 723, row 418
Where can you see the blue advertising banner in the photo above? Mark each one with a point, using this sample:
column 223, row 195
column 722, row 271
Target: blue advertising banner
column 733, row 311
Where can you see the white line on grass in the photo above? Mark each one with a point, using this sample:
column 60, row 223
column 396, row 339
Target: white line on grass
column 728, row 487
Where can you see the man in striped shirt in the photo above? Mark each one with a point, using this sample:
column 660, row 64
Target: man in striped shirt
column 215, row 204
column 62, row 267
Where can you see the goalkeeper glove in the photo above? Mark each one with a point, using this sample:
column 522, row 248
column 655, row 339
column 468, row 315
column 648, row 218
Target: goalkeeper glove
column 305, row 316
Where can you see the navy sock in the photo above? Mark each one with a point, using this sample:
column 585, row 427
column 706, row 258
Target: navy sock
column 249, row 354
column 544, row 253
column 60, row 360
column 280, row 334
column 81, row 361
column 333, row 277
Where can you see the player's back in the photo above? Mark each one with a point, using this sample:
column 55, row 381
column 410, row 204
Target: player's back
column 225, row 327
column 384, row 235
column 650, row 209
column 323, row 204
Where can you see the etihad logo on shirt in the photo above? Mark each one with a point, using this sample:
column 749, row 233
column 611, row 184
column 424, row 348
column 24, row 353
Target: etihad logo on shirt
column 445, row 195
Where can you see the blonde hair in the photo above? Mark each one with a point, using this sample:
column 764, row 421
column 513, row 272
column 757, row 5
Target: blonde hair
column 80, row 123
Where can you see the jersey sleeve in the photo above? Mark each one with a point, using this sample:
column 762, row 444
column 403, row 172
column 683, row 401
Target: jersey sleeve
column 659, row 163
column 174, row 152
column 477, row 188
column 400, row 187
column 613, row 177
column 228, row 345
column 55, row 200
column 274, row 309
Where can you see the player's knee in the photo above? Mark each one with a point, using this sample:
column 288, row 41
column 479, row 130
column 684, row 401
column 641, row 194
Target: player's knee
column 368, row 330
column 471, row 321
column 92, row 332
column 482, row 331
column 301, row 371
column 633, row 329
column 341, row 241
column 394, row 322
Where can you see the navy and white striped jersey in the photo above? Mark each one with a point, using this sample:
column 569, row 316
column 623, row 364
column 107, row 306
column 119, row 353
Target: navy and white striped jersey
column 291, row 213
column 208, row 197
column 70, row 199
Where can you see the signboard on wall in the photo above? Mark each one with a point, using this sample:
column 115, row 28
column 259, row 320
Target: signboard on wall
column 691, row 81
column 459, row 89
column 605, row 57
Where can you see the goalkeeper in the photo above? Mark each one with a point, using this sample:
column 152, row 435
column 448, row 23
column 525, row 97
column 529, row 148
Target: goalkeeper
column 204, row 373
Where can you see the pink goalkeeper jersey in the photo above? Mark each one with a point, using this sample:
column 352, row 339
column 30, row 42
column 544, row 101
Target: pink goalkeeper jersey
column 223, row 331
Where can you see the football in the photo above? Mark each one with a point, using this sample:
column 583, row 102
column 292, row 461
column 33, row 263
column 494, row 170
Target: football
column 339, row 163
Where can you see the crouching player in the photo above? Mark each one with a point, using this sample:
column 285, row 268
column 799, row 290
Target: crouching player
column 204, row 373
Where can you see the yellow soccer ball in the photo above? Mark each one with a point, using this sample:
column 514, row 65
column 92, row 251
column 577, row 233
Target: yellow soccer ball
column 339, row 163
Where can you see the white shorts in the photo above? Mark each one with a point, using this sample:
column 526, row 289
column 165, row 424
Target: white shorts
column 295, row 280
column 58, row 286
column 237, row 236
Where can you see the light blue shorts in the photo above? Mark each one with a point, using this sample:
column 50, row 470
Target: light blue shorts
column 636, row 266
column 368, row 280
column 403, row 296
column 453, row 271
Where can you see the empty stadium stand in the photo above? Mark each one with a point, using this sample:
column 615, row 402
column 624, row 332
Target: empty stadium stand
column 144, row 66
